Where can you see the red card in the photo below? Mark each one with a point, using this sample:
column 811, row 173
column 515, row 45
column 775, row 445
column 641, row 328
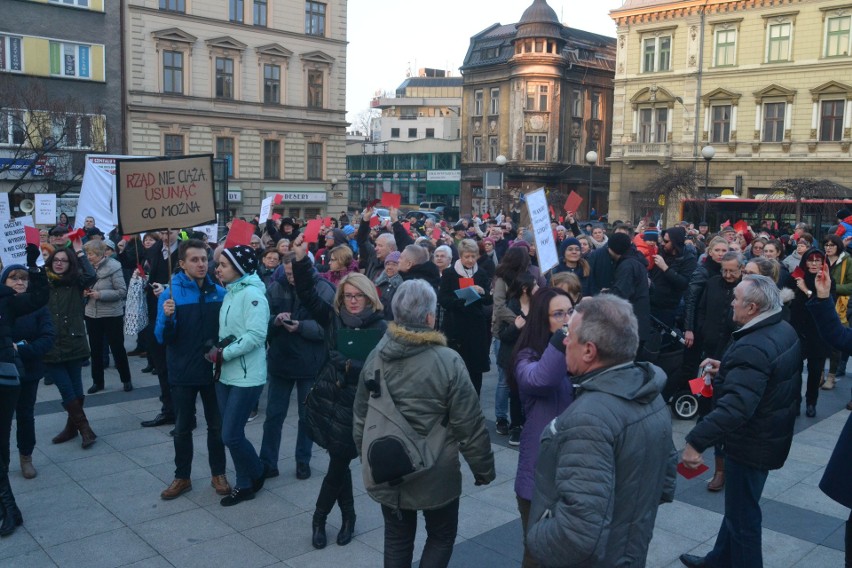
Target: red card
column 485, row 216
column 572, row 204
column 465, row 282
column 436, row 233
column 76, row 234
column 798, row 273
column 707, row 391
column 32, row 236
column 276, row 216
column 690, row 473
column 375, row 221
column 726, row 223
column 407, row 226
column 277, row 199
column 240, row 233
column 741, row 227
column 126, row 237
column 561, row 219
column 391, row 199
column 312, row 230
column 552, row 214
column 326, row 222
column 696, row 385
column 372, row 204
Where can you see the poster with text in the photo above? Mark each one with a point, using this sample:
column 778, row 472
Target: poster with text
column 45, row 209
column 265, row 209
column 13, row 242
column 165, row 193
column 212, row 232
column 545, row 245
column 5, row 211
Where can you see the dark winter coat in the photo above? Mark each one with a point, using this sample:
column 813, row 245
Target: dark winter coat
column 466, row 327
column 508, row 334
column 66, row 308
column 714, row 317
column 603, row 468
column 631, row 283
column 601, row 270
column 801, row 319
column 669, row 286
column 367, row 260
column 14, row 307
column 757, row 393
column 387, row 288
column 37, row 331
column 697, row 282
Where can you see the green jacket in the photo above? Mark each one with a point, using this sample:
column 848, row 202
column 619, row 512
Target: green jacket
column 244, row 315
column 66, row 308
column 427, row 380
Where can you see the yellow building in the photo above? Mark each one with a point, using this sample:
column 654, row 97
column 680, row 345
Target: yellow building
column 766, row 83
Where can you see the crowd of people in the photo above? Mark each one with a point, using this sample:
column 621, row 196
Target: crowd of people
column 577, row 390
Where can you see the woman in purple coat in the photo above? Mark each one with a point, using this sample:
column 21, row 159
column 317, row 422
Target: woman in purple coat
column 541, row 375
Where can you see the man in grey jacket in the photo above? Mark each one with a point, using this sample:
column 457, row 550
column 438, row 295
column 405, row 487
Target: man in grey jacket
column 618, row 428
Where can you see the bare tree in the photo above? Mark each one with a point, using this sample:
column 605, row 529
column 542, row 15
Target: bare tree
column 795, row 191
column 674, row 184
column 363, row 122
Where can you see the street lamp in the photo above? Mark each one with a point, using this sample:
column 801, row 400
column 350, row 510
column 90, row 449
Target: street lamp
column 591, row 159
column 501, row 161
column 707, row 152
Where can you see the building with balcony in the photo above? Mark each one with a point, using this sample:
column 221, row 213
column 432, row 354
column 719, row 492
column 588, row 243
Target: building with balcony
column 538, row 93
column 260, row 84
column 766, row 83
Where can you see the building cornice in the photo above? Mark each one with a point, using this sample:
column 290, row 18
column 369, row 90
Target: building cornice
column 680, row 9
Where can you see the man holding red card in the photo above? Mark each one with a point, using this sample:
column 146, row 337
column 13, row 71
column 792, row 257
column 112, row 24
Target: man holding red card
column 757, row 388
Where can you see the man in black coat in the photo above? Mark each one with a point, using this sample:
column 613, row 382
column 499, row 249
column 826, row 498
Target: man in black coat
column 630, row 281
column 757, row 388
column 670, row 275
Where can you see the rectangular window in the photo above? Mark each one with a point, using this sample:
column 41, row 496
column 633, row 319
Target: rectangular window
column 72, row 131
column 70, row 60
column 11, row 57
column 12, row 130
column 271, row 159
column 271, row 84
column 81, row 3
column 225, row 151
column 831, row 121
column 493, row 149
column 726, row 48
column 653, row 125
column 495, row 101
column 236, row 9
column 260, row 10
column 773, row 122
column 394, row 132
column 577, row 103
column 412, row 133
column 837, row 36
column 173, row 72
column 537, row 97
column 173, row 5
column 224, row 78
column 779, row 42
column 430, row 133
column 477, row 149
column 596, row 106
column 721, row 123
column 314, row 160
column 314, row 18
column 315, row 88
column 477, row 102
column 661, row 125
column 535, row 146
column 656, row 54
column 173, row 145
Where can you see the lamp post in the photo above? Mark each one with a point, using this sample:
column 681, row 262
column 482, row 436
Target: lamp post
column 707, row 152
column 501, row 161
column 591, row 159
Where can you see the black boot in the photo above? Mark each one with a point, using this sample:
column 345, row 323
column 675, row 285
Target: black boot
column 12, row 517
column 347, row 525
column 318, row 538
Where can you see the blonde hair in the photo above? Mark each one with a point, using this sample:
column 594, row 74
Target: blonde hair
column 569, row 282
column 364, row 285
column 343, row 254
column 95, row 247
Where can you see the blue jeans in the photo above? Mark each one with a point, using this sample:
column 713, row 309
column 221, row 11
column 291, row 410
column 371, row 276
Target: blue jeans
column 25, row 417
column 277, row 404
column 501, row 396
column 235, row 405
column 66, row 377
column 183, row 397
column 739, row 542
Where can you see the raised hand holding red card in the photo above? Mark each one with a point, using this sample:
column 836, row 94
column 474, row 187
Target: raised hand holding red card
column 391, row 199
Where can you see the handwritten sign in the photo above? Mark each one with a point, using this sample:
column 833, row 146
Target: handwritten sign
column 265, row 209
column 5, row 211
column 45, row 208
column 212, row 232
column 13, row 242
column 163, row 193
column 545, row 245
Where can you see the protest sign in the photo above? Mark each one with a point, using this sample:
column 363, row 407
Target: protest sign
column 5, row 212
column 165, row 193
column 265, row 209
column 545, row 245
column 13, row 242
column 212, row 232
column 45, row 208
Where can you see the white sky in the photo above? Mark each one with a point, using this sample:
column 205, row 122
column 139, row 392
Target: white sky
column 387, row 37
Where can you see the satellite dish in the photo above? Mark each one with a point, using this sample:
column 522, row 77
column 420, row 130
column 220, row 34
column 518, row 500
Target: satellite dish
column 27, row 205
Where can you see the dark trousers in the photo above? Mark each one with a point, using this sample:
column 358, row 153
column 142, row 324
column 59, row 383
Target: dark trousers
column 516, row 409
column 524, row 509
column 738, row 544
column 157, row 353
column 815, row 366
column 476, row 379
column 111, row 331
column 25, row 417
column 277, row 404
column 184, row 398
column 336, row 486
column 8, row 401
column 235, row 404
column 401, row 527
column 67, row 378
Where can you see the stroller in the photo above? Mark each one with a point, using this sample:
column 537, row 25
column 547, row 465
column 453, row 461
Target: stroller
column 665, row 349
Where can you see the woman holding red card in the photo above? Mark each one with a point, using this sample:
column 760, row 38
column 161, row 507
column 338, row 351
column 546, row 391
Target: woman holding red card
column 465, row 324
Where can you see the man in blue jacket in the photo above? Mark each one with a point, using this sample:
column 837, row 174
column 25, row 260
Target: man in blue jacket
column 188, row 325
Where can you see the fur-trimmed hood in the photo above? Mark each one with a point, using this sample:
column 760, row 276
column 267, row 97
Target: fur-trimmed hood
column 401, row 342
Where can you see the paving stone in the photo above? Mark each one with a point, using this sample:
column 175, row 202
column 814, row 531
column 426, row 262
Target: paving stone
column 354, row 555
column 105, row 550
column 266, row 507
column 97, row 466
column 33, row 559
column 810, row 498
column 230, row 551
column 821, row 556
column 287, row 538
column 181, row 530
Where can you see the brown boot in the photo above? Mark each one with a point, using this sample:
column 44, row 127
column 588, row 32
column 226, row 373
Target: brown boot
column 718, row 481
column 27, row 469
column 830, row 379
column 69, row 432
column 176, row 489
column 75, row 409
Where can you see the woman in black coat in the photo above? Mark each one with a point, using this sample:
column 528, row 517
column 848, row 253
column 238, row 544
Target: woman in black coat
column 465, row 325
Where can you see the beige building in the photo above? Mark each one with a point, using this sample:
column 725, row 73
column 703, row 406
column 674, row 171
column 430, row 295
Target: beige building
column 259, row 83
column 766, row 83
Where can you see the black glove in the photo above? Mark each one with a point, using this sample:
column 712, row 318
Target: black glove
column 33, row 252
column 558, row 340
column 338, row 360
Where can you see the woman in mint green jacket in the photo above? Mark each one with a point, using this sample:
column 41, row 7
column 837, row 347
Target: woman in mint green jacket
column 240, row 356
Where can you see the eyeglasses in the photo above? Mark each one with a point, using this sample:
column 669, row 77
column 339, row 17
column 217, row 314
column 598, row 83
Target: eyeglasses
column 562, row 314
column 814, row 261
column 829, row 245
column 731, row 272
column 354, row 297
column 61, row 261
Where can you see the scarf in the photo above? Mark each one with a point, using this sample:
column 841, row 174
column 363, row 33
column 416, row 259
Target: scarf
column 464, row 272
column 358, row 320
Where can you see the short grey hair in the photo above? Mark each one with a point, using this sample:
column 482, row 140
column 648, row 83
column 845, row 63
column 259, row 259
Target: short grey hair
column 413, row 301
column 609, row 323
column 388, row 239
column 444, row 249
column 761, row 292
column 95, row 247
column 733, row 255
column 467, row 245
column 417, row 254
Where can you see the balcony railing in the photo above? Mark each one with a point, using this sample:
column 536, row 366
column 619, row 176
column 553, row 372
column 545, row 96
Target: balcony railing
column 647, row 150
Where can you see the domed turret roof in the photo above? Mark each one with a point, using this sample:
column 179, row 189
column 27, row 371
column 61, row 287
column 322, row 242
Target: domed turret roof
column 539, row 20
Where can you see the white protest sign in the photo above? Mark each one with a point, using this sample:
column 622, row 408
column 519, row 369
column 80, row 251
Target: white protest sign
column 13, row 242
column 45, row 208
column 5, row 211
column 545, row 245
column 265, row 209
column 212, row 232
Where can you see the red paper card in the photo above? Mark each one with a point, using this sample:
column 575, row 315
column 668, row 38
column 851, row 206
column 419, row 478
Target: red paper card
column 552, row 214
column 726, row 223
column 798, row 273
column 485, row 216
column 391, row 199
column 240, row 233
column 741, row 227
column 372, row 204
column 436, row 233
column 561, row 219
column 690, row 473
column 326, row 222
column 277, row 199
column 707, row 391
column 572, row 204
column 696, row 385
column 312, row 230
column 407, row 225
column 375, row 221
column 32, row 236
column 76, row 234
column 276, row 216
column 465, row 282
column 126, row 237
